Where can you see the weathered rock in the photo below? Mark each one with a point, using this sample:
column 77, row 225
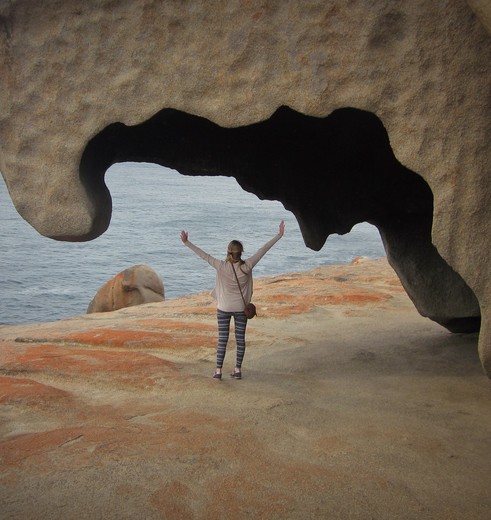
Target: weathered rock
column 352, row 406
column 482, row 8
column 134, row 286
column 347, row 149
column 422, row 69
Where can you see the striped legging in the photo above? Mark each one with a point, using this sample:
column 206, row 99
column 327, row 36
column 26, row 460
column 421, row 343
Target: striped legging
column 240, row 322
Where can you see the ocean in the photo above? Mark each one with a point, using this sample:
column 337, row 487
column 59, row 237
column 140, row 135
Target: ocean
column 46, row 280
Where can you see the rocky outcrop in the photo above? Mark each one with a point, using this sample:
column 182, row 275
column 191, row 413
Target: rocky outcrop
column 351, row 406
column 79, row 94
column 134, row 286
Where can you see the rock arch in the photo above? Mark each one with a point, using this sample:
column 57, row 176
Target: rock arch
column 332, row 172
column 69, row 69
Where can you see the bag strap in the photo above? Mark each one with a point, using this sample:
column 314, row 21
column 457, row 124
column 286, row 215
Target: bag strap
column 237, row 278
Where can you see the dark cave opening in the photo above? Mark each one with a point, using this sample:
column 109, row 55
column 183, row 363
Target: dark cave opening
column 331, row 172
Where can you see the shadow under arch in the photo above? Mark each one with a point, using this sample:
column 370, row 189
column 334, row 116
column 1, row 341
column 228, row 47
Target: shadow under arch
column 331, row 172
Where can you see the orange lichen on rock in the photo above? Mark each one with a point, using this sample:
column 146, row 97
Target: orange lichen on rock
column 298, row 294
column 198, row 310
column 140, row 339
column 119, row 338
column 34, row 447
column 136, row 369
column 126, row 399
column 282, row 311
column 174, row 325
column 26, row 391
column 356, row 297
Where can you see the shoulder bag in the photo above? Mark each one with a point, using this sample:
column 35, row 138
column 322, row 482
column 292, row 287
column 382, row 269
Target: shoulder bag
column 249, row 308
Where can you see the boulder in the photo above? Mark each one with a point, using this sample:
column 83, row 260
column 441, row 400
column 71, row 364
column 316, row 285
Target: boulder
column 134, row 286
column 400, row 92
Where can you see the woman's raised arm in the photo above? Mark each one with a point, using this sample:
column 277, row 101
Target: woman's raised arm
column 282, row 228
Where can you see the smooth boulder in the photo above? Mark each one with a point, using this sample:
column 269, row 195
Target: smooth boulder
column 134, row 286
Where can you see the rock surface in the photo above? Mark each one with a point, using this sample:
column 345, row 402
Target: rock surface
column 133, row 286
column 352, row 406
column 70, row 70
column 482, row 8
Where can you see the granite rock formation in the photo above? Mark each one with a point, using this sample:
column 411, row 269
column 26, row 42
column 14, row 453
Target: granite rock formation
column 87, row 85
column 134, row 286
column 340, row 414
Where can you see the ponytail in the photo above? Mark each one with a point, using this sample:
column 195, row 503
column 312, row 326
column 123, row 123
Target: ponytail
column 234, row 252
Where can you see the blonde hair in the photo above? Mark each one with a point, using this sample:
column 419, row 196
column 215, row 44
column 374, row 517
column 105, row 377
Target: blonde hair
column 234, row 252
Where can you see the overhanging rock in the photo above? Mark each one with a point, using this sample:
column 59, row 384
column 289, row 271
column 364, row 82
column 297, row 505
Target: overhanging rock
column 71, row 70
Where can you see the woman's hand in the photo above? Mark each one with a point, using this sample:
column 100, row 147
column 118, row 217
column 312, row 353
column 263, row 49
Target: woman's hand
column 282, row 228
column 184, row 236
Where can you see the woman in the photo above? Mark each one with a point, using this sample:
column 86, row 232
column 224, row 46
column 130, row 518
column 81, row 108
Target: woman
column 228, row 295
